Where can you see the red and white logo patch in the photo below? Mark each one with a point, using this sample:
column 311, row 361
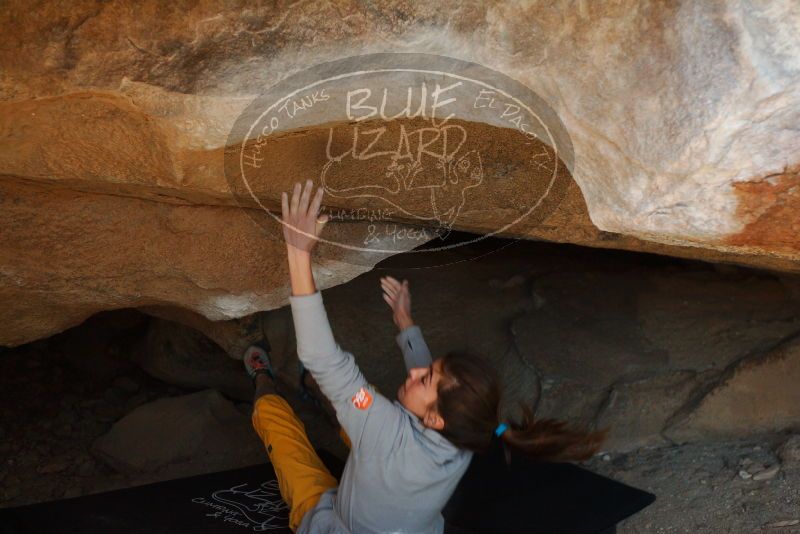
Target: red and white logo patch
column 363, row 399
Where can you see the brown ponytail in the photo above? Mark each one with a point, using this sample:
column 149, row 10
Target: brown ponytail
column 469, row 402
column 548, row 440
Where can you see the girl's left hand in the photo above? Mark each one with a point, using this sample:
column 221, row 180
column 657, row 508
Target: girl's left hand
column 398, row 297
column 301, row 224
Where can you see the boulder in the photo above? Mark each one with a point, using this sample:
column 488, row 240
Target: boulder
column 113, row 193
column 183, row 356
column 636, row 411
column 706, row 320
column 202, row 429
column 100, row 348
column 758, row 394
column 789, row 451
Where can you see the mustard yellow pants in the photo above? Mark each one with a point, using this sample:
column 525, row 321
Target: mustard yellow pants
column 302, row 477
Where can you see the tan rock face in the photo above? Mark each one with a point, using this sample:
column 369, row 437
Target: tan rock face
column 759, row 395
column 112, row 182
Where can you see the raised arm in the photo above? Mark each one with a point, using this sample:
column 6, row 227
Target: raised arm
column 415, row 350
column 398, row 296
column 334, row 370
column 368, row 417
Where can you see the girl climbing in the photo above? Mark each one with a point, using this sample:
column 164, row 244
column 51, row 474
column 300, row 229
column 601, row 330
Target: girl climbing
column 406, row 456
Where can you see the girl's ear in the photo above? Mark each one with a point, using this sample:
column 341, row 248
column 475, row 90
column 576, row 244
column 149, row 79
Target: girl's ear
column 433, row 420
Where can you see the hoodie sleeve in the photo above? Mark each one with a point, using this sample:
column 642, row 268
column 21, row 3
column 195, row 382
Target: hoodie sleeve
column 372, row 421
column 415, row 350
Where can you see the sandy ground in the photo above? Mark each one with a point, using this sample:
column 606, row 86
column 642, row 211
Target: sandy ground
column 699, row 488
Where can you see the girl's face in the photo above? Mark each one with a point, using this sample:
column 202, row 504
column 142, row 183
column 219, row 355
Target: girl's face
column 419, row 394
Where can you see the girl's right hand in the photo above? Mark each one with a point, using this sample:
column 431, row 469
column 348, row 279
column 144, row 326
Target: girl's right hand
column 302, row 224
column 398, row 297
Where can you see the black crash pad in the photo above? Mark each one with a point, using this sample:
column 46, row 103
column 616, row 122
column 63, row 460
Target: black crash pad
column 529, row 497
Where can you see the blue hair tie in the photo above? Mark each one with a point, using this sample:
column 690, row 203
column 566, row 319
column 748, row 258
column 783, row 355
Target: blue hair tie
column 500, row 429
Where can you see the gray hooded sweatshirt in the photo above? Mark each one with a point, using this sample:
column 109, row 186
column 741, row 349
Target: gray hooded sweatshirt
column 399, row 474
